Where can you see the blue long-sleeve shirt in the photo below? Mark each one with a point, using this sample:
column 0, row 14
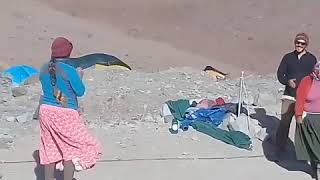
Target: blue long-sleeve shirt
column 68, row 82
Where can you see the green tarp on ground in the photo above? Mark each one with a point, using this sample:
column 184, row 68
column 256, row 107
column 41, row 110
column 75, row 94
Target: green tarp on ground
column 235, row 138
column 178, row 108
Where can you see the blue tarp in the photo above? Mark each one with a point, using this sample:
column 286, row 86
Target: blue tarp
column 214, row 116
column 19, row 74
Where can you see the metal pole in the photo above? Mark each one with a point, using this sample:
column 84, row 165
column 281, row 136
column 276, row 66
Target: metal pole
column 240, row 93
column 247, row 104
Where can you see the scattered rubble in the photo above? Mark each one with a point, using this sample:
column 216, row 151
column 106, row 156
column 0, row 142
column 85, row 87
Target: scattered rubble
column 125, row 98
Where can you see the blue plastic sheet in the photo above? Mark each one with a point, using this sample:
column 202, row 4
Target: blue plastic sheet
column 19, row 74
column 213, row 116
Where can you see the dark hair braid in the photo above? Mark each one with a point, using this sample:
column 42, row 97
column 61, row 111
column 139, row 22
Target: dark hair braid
column 52, row 71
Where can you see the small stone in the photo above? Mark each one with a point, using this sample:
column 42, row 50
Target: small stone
column 250, row 38
column 11, row 119
column 148, row 118
column 5, row 135
column 132, row 125
column 2, row 101
column 195, row 139
column 198, row 82
column 90, row 35
column 98, row 93
column 24, row 118
column 185, row 153
column 159, row 118
column 19, row 91
column 168, row 86
column 122, row 145
column 145, row 106
column 251, row 100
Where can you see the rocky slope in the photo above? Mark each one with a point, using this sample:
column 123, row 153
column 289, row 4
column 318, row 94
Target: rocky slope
column 129, row 98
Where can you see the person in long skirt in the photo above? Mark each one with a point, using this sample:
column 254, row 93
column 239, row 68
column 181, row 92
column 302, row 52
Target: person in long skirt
column 65, row 144
column 307, row 112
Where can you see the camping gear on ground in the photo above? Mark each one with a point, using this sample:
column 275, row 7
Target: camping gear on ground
column 207, row 121
column 242, row 90
column 214, row 116
column 240, row 124
column 206, row 103
column 98, row 59
column 235, row 138
column 233, row 108
column 166, row 113
column 174, row 125
column 21, row 73
column 178, row 108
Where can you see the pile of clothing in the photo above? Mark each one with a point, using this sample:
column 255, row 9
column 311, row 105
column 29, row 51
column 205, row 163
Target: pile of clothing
column 211, row 117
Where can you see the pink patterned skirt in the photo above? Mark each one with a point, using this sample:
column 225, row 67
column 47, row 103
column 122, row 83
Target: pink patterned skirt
column 64, row 137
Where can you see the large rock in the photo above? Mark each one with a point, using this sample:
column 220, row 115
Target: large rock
column 265, row 98
column 24, row 117
column 32, row 81
column 11, row 119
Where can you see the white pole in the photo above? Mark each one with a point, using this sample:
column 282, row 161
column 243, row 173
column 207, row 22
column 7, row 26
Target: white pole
column 247, row 104
column 240, row 93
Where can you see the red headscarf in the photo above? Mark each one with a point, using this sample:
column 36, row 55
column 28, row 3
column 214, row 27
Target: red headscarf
column 61, row 48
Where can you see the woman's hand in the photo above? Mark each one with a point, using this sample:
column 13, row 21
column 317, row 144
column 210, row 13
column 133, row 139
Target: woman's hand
column 299, row 119
column 292, row 83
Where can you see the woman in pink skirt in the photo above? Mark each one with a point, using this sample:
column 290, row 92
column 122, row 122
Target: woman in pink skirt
column 66, row 144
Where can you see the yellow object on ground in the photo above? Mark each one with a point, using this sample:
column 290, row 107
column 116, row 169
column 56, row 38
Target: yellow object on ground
column 216, row 74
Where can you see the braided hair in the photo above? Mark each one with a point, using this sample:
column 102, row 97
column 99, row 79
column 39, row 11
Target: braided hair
column 60, row 48
column 52, row 71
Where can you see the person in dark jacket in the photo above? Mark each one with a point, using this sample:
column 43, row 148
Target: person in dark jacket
column 293, row 68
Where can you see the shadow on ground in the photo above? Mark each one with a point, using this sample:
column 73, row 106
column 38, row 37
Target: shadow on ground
column 287, row 159
column 39, row 169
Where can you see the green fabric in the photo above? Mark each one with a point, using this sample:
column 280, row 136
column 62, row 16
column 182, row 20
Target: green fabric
column 93, row 59
column 178, row 108
column 307, row 138
column 235, row 138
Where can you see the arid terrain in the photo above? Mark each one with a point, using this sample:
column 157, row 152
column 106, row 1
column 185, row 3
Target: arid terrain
column 167, row 44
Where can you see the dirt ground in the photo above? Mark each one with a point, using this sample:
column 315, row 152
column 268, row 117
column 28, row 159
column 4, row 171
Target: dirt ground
column 244, row 34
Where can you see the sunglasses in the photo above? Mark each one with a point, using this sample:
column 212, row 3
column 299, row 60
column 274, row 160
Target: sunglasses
column 301, row 43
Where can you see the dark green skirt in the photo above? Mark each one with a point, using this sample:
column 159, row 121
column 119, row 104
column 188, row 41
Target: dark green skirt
column 307, row 138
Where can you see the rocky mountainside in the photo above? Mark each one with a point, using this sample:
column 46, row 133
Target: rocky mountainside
column 129, row 98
